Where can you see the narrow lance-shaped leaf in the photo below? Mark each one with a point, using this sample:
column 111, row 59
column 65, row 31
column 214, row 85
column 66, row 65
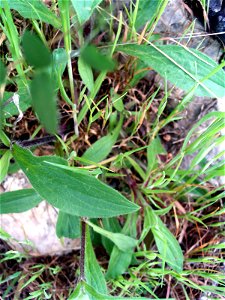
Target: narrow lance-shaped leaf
column 184, row 67
column 18, row 201
column 92, row 271
column 2, row 73
column 74, row 193
column 101, row 149
column 4, row 164
column 44, row 101
column 167, row 244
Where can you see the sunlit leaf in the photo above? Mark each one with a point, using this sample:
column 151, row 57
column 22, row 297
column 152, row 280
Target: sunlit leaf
column 74, row 193
column 184, row 67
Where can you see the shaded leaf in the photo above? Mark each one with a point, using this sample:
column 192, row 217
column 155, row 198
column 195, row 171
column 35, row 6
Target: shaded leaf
column 68, row 226
column 93, row 57
column 92, row 270
column 74, row 193
column 2, row 73
column 183, row 67
column 123, row 242
column 120, row 260
column 33, row 9
column 84, row 8
column 59, row 60
column 4, row 164
column 86, row 73
column 44, row 101
column 101, row 148
column 110, row 224
column 19, row 201
column 35, row 51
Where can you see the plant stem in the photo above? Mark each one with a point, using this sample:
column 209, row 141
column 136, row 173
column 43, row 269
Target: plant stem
column 82, row 249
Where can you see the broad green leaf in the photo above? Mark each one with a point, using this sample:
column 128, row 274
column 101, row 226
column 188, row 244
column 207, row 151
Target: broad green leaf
column 18, row 201
column 92, row 271
column 93, row 57
column 154, row 149
column 35, row 51
column 183, row 67
column 4, row 164
column 167, row 244
column 120, row 260
column 84, row 8
column 86, row 73
column 2, row 73
column 123, row 242
column 147, row 11
column 74, row 193
column 44, row 101
column 110, row 224
column 33, row 9
column 68, row 226
column 25, row 101
column 101, row 149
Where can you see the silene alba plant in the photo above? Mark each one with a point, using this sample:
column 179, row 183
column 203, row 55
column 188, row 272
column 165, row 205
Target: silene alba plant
column 80, row 197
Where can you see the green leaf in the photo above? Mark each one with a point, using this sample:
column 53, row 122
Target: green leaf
column 123, row 242
column 59, row 60
column 44, row 101
column 86, row 73
column 2, row 73
column 72, row 192
column 147, row 11
column 91, row 56
column 35, row 51
column 33, row 9
column 25, row 101
column 101, row 149
column 92, row 270
column 154, row 149
column 84, row 8
column 120, row 260
column 68, row 226
column 18, row 201
column 83, row 288
column 110, row 224
column 167, row 244
column 184, row 67
column 4, row 164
